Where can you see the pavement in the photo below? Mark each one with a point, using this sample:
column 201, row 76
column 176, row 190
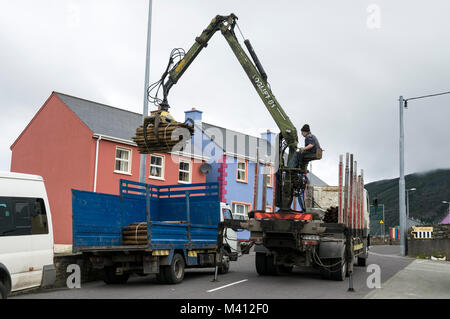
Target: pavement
column 400, row 277
column 421, row 279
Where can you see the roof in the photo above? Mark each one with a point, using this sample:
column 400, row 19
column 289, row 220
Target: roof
column 103, row 119
column 315, row 181
column 111, row 121
column 234, row 142
column 5, row 174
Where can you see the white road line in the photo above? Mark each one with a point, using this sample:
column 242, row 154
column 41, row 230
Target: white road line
column 233, row 283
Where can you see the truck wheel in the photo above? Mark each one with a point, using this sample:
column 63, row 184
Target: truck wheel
column 3, row 291
column 362, row 262
column 339, row 271
column 225, row 267
column 110, row 277
column 174, row 273
column 161, row 277
column 286, row 269
column 260, row 263
column 272, row 269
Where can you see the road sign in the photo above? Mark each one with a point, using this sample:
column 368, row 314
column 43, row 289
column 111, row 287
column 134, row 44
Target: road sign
column 381, row 222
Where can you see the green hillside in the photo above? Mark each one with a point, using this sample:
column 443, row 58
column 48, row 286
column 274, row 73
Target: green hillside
column 425, row 203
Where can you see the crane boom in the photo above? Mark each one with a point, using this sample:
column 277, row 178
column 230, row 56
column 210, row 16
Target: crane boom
column 226, row 25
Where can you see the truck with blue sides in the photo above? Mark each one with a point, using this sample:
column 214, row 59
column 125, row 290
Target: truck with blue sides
column 149, row 229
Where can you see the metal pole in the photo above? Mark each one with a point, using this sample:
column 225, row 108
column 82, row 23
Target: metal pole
column 341, row 162
column 401, row 183
column 143, row 163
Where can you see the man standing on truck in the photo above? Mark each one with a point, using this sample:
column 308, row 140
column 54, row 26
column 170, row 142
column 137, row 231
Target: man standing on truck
column 311, row 151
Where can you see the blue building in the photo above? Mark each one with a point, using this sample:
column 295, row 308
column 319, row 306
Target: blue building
column 233, row 158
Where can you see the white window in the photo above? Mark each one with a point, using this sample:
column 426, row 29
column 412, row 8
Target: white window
column 240, row 210
column 156, row 167
column 269, row 179
column 184, row 172
column 241, row 175
column 123, row 161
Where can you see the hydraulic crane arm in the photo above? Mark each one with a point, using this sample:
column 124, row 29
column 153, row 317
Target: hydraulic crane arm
column 256, row 74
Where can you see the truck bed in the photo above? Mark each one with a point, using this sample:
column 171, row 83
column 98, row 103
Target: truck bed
column 178, row 217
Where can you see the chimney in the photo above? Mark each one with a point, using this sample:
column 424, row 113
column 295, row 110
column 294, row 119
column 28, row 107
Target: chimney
column 194, row 114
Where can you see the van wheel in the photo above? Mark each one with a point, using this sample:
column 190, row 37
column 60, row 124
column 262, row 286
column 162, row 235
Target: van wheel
column 174, row 273
column 3, row 291
column 110, row 277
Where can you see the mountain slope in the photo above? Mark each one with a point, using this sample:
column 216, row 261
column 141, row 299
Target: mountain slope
column 425, row 203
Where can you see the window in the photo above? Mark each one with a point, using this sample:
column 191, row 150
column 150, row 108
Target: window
column 123, row 161
column 269, row 171
column 227, row 213
column 241, row 175
column 22, row 216
column 240, row 210
column 156, row 167
column 184, row 172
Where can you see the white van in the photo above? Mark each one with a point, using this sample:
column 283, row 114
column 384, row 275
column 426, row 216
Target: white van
column 26, row 234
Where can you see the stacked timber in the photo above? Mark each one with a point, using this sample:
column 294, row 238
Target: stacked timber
column 331, row 215
column 135, row 234
column 168, row 135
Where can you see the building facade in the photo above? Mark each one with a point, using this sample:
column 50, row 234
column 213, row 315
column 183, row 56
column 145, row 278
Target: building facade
column 80, row 144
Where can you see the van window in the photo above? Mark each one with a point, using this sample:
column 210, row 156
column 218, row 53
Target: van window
column 22, row 216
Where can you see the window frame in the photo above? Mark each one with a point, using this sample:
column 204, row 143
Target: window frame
column 190, row 171
column 270, row 183
column 163, row 167
column 130, row 153
column 235, row 214
column 238, row 161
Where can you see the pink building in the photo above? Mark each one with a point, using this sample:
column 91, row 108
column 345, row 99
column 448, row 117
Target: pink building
column 79, row 144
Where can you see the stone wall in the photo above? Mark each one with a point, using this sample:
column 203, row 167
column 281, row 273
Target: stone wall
column 439, row 243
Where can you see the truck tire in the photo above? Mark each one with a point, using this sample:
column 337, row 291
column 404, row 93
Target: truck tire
column 161, row 277
column 339, row 271
column 260, row 263
column 110, row 277
column 174, row 273
column 286, row 269
column 225, row 267
column 362, row 262
column 3, row 291
column 272, row 269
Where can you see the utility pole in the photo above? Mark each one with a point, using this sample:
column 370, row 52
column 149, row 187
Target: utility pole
column 401, row 183
column 143, row 163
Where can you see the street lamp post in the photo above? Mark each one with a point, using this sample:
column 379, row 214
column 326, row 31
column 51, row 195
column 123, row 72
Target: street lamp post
column 448, row 211
column 401, row 182
column 407, row 200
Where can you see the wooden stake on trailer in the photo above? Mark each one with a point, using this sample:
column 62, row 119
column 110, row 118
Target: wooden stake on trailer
column 350, row 193
column 362, row 202
column 346, row 188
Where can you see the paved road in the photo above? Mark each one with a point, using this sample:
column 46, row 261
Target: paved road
column 241, row 282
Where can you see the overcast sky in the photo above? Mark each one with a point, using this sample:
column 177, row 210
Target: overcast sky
column 339, row 66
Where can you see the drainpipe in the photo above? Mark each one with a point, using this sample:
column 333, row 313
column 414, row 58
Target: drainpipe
column 99, row 137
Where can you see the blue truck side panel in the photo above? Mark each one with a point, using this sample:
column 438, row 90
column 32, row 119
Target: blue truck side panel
column 98, row 219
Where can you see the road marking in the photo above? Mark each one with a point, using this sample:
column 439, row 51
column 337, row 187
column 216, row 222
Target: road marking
column 233, row 283
column 382, row 255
